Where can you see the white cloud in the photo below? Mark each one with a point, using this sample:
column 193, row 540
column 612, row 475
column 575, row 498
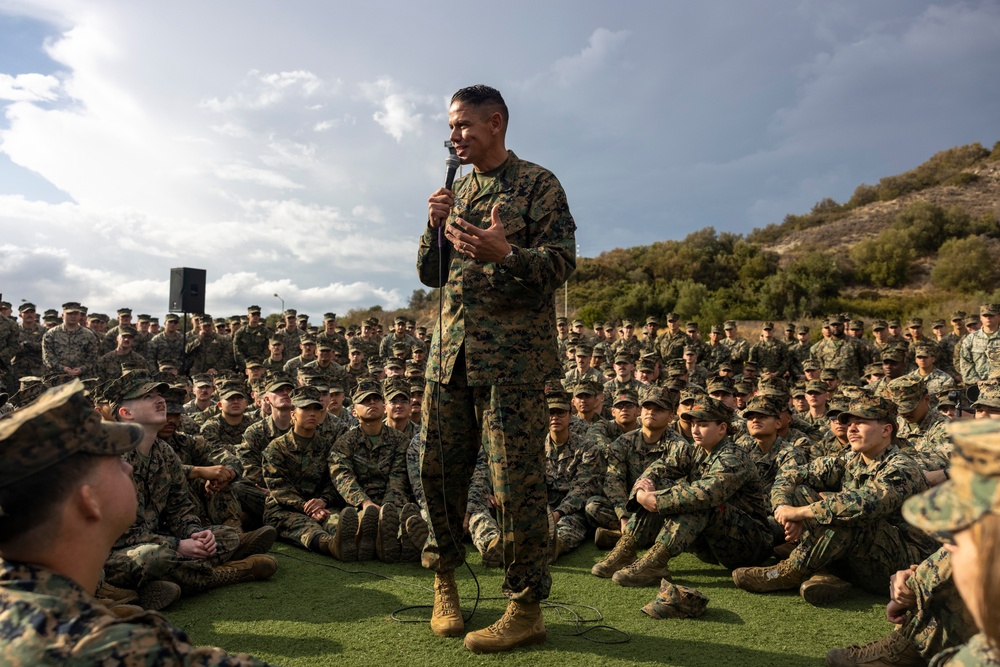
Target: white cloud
column 398, row 114
column 260, row 90
column 256, row 175
column 600, row 49
column 29, row 87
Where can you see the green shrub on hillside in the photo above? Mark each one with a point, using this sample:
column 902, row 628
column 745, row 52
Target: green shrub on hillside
column 935, row 171
column 884, row 260
column 966, row 265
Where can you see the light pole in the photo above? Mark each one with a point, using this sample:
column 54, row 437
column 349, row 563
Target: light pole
column 282, row 304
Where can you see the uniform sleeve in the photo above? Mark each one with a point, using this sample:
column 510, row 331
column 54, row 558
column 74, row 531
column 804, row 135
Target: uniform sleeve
column 275, row 469
column 345, row 481
column 881, row 496
column 615, row 480
column 182, row 515
column 725, row 476
column 250, row 453
column 580, row 487
column 396, row 493
column 480, row 486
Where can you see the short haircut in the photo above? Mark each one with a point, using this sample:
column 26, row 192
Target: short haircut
column 32, row 502
column 484, row 98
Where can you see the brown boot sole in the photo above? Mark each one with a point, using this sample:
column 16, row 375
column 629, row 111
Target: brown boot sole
column 823, row 593
column 480, row 645
column 259, row 541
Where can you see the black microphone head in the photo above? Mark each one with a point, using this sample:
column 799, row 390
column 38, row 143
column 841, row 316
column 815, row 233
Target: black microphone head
column 453, row 161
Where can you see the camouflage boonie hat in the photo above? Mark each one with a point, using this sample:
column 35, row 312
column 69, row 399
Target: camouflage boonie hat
column 906, row 392
column 58, row 424
column 277, row 381
column 675, row 601
column 989, row 396
column 717, row 384
column 817, row 387
column 761, row 405
column 869, row 407
column 709, row 409
column 365, row 389
column 661, row 396
column 974, row 487
column 132, row 386
column 306, row 396
column 625, row 396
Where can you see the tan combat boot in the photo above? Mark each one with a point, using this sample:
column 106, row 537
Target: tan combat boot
column 126, row 610
column 387, row 546
column 622, row 555
column 255, row 542
column 493, row 554
column 110, row 595
column 521, row 625
column 252, row 568
column 647, row 571
column 558, row 549
column 823, row 588
column 157, row 595
column 408, row 551
column 343, row 545
column 605, row 538
column 416, row 528
column 446, row 619
column 367, row 532
column 766, row 579
column 893, row 650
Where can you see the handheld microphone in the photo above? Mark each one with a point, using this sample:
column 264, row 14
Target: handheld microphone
column 453, row 162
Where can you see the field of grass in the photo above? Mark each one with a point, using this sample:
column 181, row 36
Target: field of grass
column 316, row 611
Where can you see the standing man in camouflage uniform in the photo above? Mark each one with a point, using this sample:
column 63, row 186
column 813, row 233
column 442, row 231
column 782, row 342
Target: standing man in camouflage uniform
column 739, row 347
column 510, row 245
column 70, row 348
column 250, row 342
column 975, row 348
column 398, row 335
column 47, row 585
column 28, row 357
column 770, row 352
column 925, row 354
column 209, row 352
column 168, row 345
column 331, row 336
column 120, row 359
column 839, row 352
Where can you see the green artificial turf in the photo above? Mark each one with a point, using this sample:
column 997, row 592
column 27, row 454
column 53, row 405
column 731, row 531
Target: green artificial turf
column 316, row 611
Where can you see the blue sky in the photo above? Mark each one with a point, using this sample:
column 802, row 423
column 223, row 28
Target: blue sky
column 291, row 147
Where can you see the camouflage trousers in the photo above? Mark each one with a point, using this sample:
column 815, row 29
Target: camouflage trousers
column 601, row 513
column 571, row 529
column 940, row 619
column 299, row 527
column 511, row 421
column 220, row 508
column 136, row 566
column 251, row 498
column 864, row 554
column 722, row 535
column 413, row 472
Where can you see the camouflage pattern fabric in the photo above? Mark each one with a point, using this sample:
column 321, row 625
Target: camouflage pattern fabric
column 164, row 347
column 27, row 359
column 252, row 489
column 977, row 652
column 936, row 381
column 708, row 502
column 213, row 351
column 217, row 431
column 973, row 355
column 569, row 482
column 782, row 453
column 364, row 467
column 250, row 342
column 47, row 619
column 771, row 354
column 927, row 441
column 221, row 507
column 112, row 364
column 75, row 349
column 845, row 355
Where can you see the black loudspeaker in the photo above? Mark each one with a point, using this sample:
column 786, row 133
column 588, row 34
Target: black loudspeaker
column 187, row 290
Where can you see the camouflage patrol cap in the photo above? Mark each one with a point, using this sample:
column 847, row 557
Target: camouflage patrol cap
column 94, row 317
column 772, row 387
column 676, row 367
column 720, row 384
column 625, row 395
column 767, row 326
column 558, row 402
column 675, row 601
column 307, row 340
column 324, row 344
column 133, row 385
column 817, row 387
column 667, row 399
column 394, row 362
column 124, row 311
column 798, row 390
column 230, row 389
column 857, row 325
column 716, row 329
column 72, row 307
column 59, row 423
column 729, row 324
column 925, row 349
column 652, row 319
column 127, row 331
column 906, row 392
column 971, row 320
column 600, row 351
column 561, row 320
column 306, row 396
column 673, row 317
column 627, row 323
column 691, row 326
column 275, row 382
column 744, row 387
column 609, row 326
column 915, row 323
column 879, row 325
column 894, row 324
column 894, row 354
column 584, row 349
column 974, row 487
column 691, row 349
column 598, row 326
column 577, row 323
column 290, row 312
column 958, row 315
column 171, row 317
column 709, row 409
column 761, row 405
column 873, row 369
column 645, row 365
column 802, row 329
column 726, row 366
column 938, row 324
column 989, row 309
column 989, row 396
column 836, row 405
column 750, row 365
column 624, row 358
column 585, row 387
column 868, row 406
column 790, row 327
column 365, row 389
column 392, row 387
column 202, row 381
column 25, row 307
column 947, row 397
column 341, row 330
column 691, row 395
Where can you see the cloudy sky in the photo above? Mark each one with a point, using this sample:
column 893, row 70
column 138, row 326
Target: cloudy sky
column 290, row 148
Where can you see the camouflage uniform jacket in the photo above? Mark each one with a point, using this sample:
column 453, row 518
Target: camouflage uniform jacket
column 797, row 354
column 769, row 463
column 111, row 365
column 369, row 347
column 690, row 479
column 613, row 386
column 408, row 431
column 862, row 493
column 293, row 365
column 671, row 346
column 567, row 474
column 295, row 471
column 166, row 513
column 771, row 354
column 977, row 652
column 601, row 435
column 337, row 341
column 574, row 375
column 480, row 486
column 975, row 363
column 10, row 341
column 631, row 347
column 928, row 441
column 250, row 342
column 388, row 340
column 290, row 339
column 946, row 346
column 716, row 355
column 846, row 355
column 628, row 458
column 28, row 358
column 75, row 349
column 196, row 451
column 503, row 318
column 333, row 372
column 362, row 470
column 936, row 381
column 48, row 619
column 164, row 347
column 213, row 351
column 217, row 431
column 251, row 451
column 829, row 445
column 739, row 350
